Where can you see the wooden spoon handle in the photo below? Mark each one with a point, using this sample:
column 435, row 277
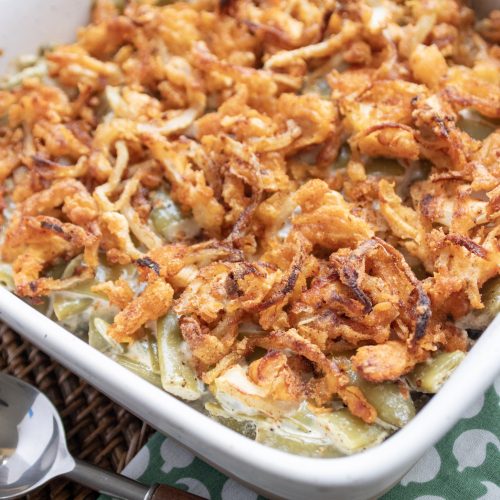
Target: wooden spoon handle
column 166, row 492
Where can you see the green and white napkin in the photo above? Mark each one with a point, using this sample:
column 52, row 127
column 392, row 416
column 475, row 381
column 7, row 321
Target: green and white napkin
column 464, row 465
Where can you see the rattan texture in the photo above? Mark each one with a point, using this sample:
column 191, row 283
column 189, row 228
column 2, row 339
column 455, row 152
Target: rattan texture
column 98, row 431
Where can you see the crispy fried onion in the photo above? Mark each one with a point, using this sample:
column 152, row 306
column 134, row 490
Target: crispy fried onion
column 441, row 141
column 364, row 295
column 388, row 139
column 119, row 292
column 331, row 379
column 326, row 218
column 388, row 361
column 34, row 241
column 418, row 305
column 213, row 303
column 189, row 185
column 322, row 49
column 151, row 304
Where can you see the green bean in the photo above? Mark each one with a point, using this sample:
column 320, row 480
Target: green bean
column 56, row 271
column 72, row 266
column 154, row 353
column 278, row 437
column 304, row 420
column 299, row 432
column 141, row 357
column 430, row 376
column 479, row 319
column 350, row 434
column 145, row 352
column 319, row 86
column 384, row 166
column 41, row 305
column 100, row 339
column 62, row 270
column 6, row 276
column 243, row 426
column 393, row 407
column 304, row 432
column 177, row 376
column 140, row 369
column 65, row 307
column 39, row 69
column 120, row 5
column 477, row 126
column 343, row 158
column 490, row 295
column 165, row 215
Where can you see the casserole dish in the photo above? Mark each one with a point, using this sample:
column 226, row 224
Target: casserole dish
column 293, row 477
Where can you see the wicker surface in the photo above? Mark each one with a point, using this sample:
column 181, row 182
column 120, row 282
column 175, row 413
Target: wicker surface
column 97, row 430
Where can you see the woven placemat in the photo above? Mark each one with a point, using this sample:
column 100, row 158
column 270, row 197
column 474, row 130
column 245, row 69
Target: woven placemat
column 98, row 431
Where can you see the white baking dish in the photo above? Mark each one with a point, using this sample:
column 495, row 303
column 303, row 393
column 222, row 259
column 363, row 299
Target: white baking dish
column 23, row 27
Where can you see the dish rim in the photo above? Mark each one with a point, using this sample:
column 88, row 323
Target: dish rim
column 192, row 428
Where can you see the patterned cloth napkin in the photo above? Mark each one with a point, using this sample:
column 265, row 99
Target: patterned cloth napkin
column 464, row 465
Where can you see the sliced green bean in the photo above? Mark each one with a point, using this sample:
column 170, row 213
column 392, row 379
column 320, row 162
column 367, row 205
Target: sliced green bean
column 244, row 426
column 177, row 376
column 42, row 305
column 476, row 125
column 39, row 69
column 343, row 158
column 276, row 436
column 144, row 352
column 56, row 271
column 120, row 5
column 393, row 407
column 430, row 376
column 6, row 277
column 350, row 434
column 384, row 166
column 479, row 319
column 164, row 215
column 168, row 220
column 100, row 339
column 298, row 432
column 140, row 357
column 140, row 369
column 71, row 267
column 319, row 86
column 65, row 307
column 490, row 295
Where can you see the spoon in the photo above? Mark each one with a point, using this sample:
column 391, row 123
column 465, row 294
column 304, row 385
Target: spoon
column 33, row 450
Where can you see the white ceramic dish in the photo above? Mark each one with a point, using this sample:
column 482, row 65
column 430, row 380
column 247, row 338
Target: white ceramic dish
column 359, row 477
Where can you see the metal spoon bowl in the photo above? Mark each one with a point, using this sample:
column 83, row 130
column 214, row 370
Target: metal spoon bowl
column 33, row 450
